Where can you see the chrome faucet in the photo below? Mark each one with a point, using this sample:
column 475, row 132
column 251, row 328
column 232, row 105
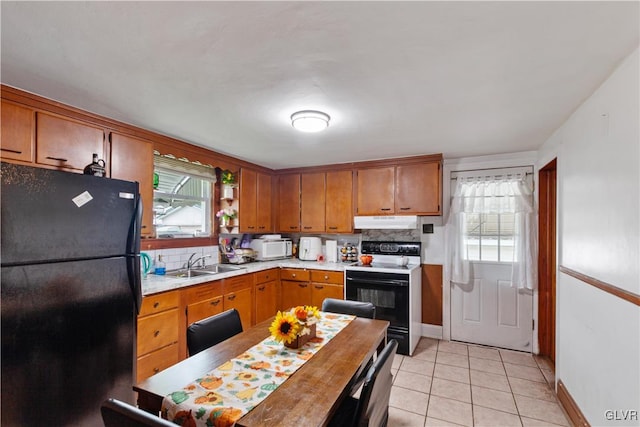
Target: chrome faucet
column 193, row 262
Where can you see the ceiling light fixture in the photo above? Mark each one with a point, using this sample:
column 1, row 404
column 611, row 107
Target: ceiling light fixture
column 310, row 121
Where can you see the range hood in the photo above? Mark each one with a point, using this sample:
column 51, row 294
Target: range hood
column 386, row 222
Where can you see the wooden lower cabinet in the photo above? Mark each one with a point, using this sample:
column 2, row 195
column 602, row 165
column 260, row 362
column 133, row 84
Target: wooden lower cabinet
column 203, row 301
column 266, row 294
column 238, row 294
column 309, row 287
column 158, row 332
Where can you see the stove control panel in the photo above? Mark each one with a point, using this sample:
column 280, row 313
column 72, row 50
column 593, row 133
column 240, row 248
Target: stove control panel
column 391, row 248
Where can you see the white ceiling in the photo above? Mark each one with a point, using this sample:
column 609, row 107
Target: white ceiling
column 397, row 78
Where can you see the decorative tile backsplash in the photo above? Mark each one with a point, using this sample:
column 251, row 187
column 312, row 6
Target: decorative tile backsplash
column 392, row 235
column 177, row 258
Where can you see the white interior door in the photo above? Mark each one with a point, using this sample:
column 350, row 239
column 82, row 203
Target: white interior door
column 489, row 311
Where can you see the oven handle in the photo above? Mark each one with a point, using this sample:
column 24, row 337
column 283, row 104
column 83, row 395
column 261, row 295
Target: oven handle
column 379, row 282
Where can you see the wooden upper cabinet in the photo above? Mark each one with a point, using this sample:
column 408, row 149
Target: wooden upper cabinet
column 376, row 191
column 264, row 218
column 248, row 201
column 132, row 160
column 418, row 189
column 289, row 203
column 255, row 202
column 339, row 202
column 67, row 143
column 312, row 202
column 17, row 132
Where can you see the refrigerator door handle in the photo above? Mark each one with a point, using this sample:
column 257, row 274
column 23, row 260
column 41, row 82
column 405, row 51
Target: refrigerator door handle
column 133, row 245
column 135, row 280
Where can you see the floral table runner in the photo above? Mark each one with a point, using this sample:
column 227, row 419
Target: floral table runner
column 231, row 390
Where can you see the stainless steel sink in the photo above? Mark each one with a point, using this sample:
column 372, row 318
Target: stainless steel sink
column 220, row 268
column 206, row 271
column 193, row 273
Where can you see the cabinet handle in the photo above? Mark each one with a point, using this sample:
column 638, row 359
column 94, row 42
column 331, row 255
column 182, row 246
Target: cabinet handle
column 231, row 297
column 405, row 209
column 156, row 370
column 216, row 302
column 251, row 227
column 143, row 226
column 319, row 287
column 308, row 228
column 11, row 151
column 293, row 227
column 302, row 285
column 333, row 228
column 385, row 209
column 156, row 333
column 262, row 227
column 261, row 288
column 326, row 277
column 60, row 159
column 156, row 304
column 293, row 275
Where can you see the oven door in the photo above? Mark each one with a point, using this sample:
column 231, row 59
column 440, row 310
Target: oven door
column 389, row 292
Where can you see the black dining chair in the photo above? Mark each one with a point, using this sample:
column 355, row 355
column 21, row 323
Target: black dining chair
column 356, row 308
column 371, row 409
column 212, row 330
column 116, row 413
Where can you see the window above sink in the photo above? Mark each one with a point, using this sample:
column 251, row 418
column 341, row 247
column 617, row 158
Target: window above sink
column 182, row 198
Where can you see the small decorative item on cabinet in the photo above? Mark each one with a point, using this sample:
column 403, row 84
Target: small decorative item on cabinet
column 226, row 216
column 296, row 327
column 349, row 252
column 96, row 167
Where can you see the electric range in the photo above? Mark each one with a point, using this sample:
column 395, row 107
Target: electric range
column 395, row 289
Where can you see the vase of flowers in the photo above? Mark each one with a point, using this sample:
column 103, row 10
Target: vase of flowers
column 225, row 216
column 294, row 328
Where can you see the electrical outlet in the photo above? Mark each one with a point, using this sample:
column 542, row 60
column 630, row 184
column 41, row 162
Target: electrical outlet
column 427, row 228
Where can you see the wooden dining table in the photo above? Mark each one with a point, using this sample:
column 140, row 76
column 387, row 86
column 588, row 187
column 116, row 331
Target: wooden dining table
column 308, row 398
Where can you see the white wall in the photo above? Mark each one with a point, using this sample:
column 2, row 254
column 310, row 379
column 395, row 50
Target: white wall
column 598, row 334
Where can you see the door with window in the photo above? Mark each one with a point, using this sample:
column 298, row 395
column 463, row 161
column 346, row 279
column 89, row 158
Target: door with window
column 491, row 287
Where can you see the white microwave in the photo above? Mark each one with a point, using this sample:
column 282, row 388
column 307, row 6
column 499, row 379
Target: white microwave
column 267, row 249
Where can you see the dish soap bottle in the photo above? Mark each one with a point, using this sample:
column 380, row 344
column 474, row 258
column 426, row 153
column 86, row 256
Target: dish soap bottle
column 161, row 268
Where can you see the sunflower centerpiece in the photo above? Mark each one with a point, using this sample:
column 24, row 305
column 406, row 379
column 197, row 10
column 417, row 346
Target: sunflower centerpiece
column 295, row 327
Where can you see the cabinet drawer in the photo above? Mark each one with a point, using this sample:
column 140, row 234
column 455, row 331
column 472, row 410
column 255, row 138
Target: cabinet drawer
column 295, row 274
column 202, row 292
column 266, row 275
column 156, row 361
column 157, row 330
column 159, row 302
column 233, row 284
column 335, row 277
column 203, row 309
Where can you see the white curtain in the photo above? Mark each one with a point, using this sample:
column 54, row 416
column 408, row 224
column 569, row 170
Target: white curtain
column 493, row 195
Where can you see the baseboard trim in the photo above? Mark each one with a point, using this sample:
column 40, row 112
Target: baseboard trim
column 431, row 331
column 571, row 407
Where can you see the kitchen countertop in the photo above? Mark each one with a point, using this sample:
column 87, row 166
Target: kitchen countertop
column 154, row 284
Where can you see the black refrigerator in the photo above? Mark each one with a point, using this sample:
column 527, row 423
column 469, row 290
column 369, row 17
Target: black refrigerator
column 70, row 265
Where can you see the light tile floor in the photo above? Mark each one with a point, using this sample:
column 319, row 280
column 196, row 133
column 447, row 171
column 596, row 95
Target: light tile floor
column 456, row 384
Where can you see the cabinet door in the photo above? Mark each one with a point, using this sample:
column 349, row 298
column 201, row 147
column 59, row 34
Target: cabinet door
column 248, row 199
column 418, row 189
column 66, row 143
column 157, row 330
column 312, row 202
column 132, row 160
column 295, row 294
column 241, row 301
column 375, row 191
column 266, row 300
column 203, row 309
column 263, row 210
column 339, row 202
column 289, row 203
column 17, row 132
column 156, row 361
column 320, row 291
